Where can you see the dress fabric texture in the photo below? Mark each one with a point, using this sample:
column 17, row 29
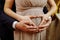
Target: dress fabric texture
column 30, row 7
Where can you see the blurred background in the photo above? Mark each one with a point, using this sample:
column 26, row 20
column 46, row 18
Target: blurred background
column 53, row 32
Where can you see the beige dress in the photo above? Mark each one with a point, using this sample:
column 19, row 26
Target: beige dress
column 30, row 7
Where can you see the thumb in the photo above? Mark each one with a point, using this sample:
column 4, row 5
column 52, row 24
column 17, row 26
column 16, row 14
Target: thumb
column 33, row 17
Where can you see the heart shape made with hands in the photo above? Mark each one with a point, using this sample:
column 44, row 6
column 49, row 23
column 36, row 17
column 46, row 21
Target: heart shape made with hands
column 34, row 12
column 37, row 20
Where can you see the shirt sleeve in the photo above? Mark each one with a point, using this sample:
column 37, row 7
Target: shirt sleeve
column 14, row 24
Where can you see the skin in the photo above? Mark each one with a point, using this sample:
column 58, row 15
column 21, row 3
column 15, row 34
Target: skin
column 49, row 13
column 23, row 27
column 22, row 19
column 27, row 19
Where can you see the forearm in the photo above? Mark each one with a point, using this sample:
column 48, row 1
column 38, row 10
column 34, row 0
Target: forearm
column 12, row 14
column 53, row 7
column 52, row 11
column 7, row 9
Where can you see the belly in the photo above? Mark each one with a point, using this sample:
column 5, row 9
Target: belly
column 34, row 12
column 34, row 36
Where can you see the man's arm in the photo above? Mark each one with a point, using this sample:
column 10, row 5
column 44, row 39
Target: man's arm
column 6, row 20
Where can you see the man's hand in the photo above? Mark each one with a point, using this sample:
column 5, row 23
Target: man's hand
column 26, row 28
column 27, row 25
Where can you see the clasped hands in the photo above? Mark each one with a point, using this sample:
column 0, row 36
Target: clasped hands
column 27, row 25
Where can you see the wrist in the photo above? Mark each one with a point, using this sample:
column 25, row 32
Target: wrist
column 17, row 25
column 19, row 18
column 47, row 15
column 14, row 24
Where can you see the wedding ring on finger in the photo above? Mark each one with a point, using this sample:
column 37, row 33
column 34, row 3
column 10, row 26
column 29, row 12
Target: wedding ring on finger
column 49, row 17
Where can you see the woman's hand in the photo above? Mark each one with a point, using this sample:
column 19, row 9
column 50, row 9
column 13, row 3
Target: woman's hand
column 46, row 21
column 27, row 20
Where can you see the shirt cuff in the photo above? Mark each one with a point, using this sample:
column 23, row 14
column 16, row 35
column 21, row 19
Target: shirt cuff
column 14, row 24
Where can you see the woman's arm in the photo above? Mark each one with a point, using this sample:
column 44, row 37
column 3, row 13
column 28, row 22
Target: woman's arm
column 24, row 23
column 46, row 21
column 53, row 8
column 8, row 11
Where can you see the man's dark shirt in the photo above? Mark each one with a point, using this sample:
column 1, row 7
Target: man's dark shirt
column 2, row 4
column 6, row 30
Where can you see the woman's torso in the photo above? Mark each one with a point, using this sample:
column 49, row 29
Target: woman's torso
column 30, row 7
column 27, row 4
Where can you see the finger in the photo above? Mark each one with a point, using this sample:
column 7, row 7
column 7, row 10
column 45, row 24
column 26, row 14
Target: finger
column 33, row 24
column 30, row 27
column 33, row 30
column 33, row 17
column 47, row 24
column 43, row 29
column 23, row 27
column 27, row 23
column 43, row 21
